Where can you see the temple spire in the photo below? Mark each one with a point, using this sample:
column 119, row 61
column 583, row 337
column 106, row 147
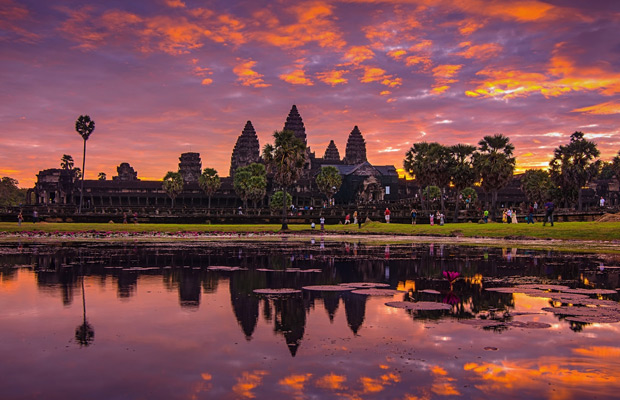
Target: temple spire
column 247, row 149
column 331, row 153
column 295, row 124
column 356, row 148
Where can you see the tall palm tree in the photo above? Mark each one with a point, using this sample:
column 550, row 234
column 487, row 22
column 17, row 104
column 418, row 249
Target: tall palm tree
column 84, row 126
column 209, row 182
column 285, row 159
column 495, row 164
column 573, row 166
column 440, row 169
column 416, row 164
column 173, row 185
column 462, row 171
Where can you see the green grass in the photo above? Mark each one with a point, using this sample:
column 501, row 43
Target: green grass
column 599, row 231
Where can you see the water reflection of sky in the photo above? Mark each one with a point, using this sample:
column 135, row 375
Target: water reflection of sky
column 180, row 331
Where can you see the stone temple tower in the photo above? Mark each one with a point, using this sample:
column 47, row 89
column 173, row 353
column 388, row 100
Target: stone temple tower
column 294, row 123
column 190, row 167
column 246, row 151
column 331, row 153
column 356, row 148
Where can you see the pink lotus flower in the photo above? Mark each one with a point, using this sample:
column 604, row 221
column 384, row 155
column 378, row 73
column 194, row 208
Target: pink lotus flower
column 451, row 275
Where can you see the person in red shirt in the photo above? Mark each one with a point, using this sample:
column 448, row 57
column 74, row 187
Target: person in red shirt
column 387, row 215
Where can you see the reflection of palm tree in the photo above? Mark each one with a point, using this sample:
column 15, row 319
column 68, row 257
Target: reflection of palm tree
column 84, row 333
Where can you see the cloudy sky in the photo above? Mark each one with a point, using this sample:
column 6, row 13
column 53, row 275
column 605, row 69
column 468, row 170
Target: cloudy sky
column 163, row 77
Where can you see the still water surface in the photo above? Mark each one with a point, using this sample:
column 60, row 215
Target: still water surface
column 142, row 320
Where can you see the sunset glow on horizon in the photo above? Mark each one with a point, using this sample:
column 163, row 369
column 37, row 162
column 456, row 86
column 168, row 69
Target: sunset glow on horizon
column 165, row 77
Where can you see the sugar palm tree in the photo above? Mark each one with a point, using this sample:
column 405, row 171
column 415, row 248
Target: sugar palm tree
column 495, row 164
column 573, row 166
column 85, row 127
column 209, row 182
column 285, row 159
column 66, row 162
column 173, row 185
column 462, row 171
column 417, row 165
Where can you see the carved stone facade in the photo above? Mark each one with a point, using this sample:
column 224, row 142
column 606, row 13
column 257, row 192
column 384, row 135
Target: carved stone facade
column 356, row 148
column 190, row 167
column 246, row 150
column 331, row 153
column 126, row 173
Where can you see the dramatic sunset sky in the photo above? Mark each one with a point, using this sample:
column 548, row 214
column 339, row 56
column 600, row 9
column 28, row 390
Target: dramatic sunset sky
column 163, row 77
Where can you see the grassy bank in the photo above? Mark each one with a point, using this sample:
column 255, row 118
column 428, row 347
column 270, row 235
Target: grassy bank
column 606, row 231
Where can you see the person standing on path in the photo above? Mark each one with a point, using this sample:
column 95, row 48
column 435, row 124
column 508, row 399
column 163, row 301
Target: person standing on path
column 486, row 216
column 530, row 216
column 355, row 217
column 20, row 218
column 387, row 215
column 322, row 220
column 414, row 215
column 549, row 207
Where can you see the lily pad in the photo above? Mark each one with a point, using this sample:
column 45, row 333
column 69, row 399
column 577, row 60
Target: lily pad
column 430, row 291
column 591, row 291
column 225, row 268
column 419, row 306
column 366, row 285
column 377, row 292
column 329, row 288
column 277, row 292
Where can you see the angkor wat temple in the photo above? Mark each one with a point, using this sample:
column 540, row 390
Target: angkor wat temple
column 362, row 182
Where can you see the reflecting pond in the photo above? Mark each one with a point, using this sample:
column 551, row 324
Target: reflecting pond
column 183, row 320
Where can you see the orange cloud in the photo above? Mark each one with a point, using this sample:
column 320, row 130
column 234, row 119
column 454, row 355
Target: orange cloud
column 247, row 76
column 396, row 54
column 469, row 26
column 297, row 77
column 333, row 78
column 12, row 15
column 247, row 383
column 314, row 23
column 480, row 51
column 332, row 382
column 562, row 76
column 395, row 30
column 375, row 74
column 295, row 382
column 444, row 75
column 175, row 3
column 607, row 108
column 358, row 54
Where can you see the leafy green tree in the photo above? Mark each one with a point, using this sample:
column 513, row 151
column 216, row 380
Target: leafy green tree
column 462, row 171
column 607, row 170
column 173, row 185
column 102, row 176
column 471, row 194
column 66, row 162
column 536, row 184
column 615, row 165
column 209, row 182
column 329, row 181
column 250, row 183
column 417, row 165
column 495, row 164
column 85, row 127
column 432, row 193
column 573, row 166
column 275, row 203
column 285, row 160
column 10, row 194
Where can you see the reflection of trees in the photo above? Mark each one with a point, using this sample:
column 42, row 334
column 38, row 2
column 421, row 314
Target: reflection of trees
column 290, row 320
column 355, row 309
column 84, row 333
column 244, row 301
